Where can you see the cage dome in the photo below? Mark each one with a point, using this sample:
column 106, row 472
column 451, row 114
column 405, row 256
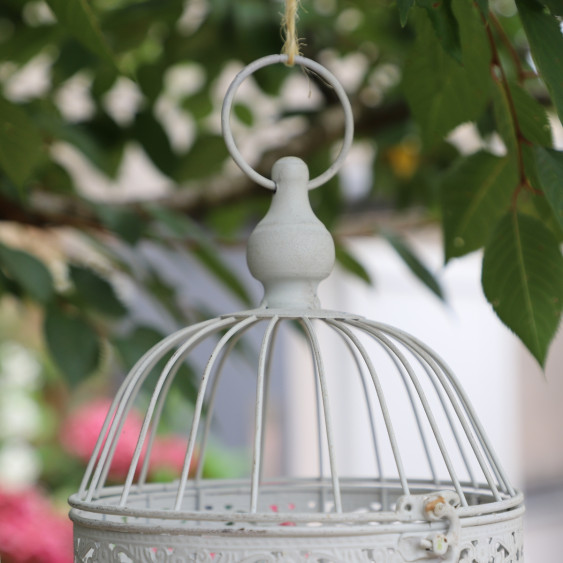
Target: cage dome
column 436, row 490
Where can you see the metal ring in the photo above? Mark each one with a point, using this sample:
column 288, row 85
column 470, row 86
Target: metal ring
column 321, row 71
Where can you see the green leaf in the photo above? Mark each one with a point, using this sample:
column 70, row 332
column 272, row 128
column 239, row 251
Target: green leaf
column 504, row 120
column 28, row 272
column 20, row 143
column 523, row 280
column 78, row 20
column 445, row 25
column 351, row 263
column 96, row 292
column 200, row 105
column 73, row 344
column 532, row 117
column 555, row 7
column 550, row 175
column 475, row 194
column 483, row 6
column 244, row 114
column 537, row 204
column 133, row 346
column 126, row 223
column 27, row 42
column 88, row 142
column 404, row 9
column 441, row 93
column 414, row 263
column 215, row 263
column 154, row 140
column 204, row 158
column 204, row 251
column 546, row 43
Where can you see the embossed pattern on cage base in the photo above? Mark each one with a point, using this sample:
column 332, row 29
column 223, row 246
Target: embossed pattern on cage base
column 493, row 537
column 436, row 493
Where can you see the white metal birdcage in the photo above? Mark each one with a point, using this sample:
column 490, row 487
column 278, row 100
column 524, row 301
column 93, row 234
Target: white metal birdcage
column 454, row 503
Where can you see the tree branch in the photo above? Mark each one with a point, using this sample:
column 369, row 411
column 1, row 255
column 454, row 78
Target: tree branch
column 44, row 209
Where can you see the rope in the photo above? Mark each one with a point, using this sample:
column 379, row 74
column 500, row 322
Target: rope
column 289, row 31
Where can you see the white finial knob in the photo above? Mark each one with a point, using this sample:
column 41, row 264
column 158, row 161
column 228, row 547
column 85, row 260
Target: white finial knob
column 290, row 250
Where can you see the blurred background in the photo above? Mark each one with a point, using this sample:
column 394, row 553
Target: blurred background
column 122, row 219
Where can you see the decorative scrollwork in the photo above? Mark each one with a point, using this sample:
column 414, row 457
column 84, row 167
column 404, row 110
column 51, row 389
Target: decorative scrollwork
column 499, row 542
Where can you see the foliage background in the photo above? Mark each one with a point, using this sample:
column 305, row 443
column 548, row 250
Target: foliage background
column 72, row 259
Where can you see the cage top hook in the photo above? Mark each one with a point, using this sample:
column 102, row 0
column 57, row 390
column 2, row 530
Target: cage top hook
column 323, row 73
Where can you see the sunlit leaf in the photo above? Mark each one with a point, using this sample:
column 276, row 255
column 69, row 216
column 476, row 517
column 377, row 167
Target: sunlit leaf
column 475, row 194
column 523, row 280
column 73, row 344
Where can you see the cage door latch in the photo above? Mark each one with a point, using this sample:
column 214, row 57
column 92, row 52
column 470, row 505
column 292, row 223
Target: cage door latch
column 434, row 507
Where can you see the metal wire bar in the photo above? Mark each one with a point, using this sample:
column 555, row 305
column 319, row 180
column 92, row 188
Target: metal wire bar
column 156, row 420
column 267, row 395
column 484, row 442
column 326, row 407
column 457, row 395
column 211, row 401
column 129, row 402
column 319, row 413
column 384, row 341
column 121, row 404
column 401, row 370
column 354, row 353
column 382, row 402
column 258, row 415
column 199, row 404
column 178, row 355
column 369, row 407
column 166, row 344
column 447, row 378
column 441, row 396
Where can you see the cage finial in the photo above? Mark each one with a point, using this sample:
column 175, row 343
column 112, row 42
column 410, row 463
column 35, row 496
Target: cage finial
column 290, row 251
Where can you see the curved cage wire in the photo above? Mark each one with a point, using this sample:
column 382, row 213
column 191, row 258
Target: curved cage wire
column 401, row 381
column 434, row 490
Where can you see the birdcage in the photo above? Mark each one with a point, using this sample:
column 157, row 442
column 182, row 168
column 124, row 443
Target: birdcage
column 453, row 503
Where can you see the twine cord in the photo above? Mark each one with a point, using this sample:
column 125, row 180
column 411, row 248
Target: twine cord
column 289, row 31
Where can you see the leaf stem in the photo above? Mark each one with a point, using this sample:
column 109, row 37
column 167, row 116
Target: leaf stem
column 499, row 75
column 523, row 74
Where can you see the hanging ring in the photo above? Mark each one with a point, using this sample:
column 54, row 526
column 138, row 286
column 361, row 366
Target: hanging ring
column 323, row 73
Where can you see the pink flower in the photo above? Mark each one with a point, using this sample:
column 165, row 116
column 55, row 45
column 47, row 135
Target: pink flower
column 168, row 453
column 31, row 531
column 81, row 429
